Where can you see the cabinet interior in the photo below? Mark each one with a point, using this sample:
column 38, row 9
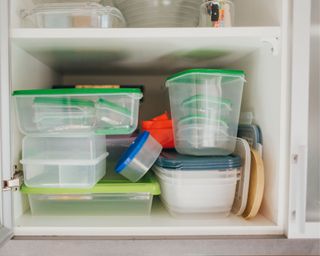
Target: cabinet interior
column 264, row 95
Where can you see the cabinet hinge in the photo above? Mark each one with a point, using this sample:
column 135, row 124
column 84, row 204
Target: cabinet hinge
column 14, row 183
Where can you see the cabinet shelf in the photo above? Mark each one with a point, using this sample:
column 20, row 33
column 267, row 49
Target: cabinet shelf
column 144, row 50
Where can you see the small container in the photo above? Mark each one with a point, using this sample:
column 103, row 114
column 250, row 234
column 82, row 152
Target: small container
column 216, row 14
column 108, row 197
column 77, row 111
column 159, row 13
column 139, row 157
column 73, row 15
column 63, row 162
column 205, row 108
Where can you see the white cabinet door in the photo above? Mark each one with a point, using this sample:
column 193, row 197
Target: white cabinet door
column 304, row 203
column 5, row 163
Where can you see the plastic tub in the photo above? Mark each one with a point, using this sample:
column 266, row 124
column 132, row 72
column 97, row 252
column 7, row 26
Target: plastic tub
column 108, row 197
column 62, row 162
column 205, row 108
column 139, row 157
column 216, row 13
column 77, row 111
column 160, row 13
column 73, row 15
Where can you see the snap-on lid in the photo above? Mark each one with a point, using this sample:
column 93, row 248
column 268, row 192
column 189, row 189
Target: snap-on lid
column 132, row 151
column 148, row 184
column 114, row 107
column 173, row 160
column 63, row 101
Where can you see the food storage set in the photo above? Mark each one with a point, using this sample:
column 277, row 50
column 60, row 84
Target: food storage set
column 127, row 13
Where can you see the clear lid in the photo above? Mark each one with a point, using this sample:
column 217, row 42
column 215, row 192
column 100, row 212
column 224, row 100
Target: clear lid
column 170, row 159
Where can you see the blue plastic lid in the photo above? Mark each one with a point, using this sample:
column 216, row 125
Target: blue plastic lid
column 132, row 151
column 173, row 160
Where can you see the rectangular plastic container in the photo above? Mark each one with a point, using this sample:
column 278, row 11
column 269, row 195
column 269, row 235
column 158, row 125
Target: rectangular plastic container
column 63, row 162
column 216, row 13
column 108, row 197
column 78, row 111
column 73, row 15
column 205, row 108
column 159, row 13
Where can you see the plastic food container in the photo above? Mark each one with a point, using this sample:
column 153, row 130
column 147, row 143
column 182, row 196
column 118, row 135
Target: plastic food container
column 161, row 130
column 139, row 157
column 205, row 108
column 108, row 197
column 63, row 162
column 160, row 13
column 216, row 13
column 193, row 186
column 73, row 15
column 78, row 111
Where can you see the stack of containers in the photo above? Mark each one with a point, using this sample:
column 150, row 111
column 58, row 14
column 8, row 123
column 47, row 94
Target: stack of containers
column 205, row 108
column 64, row 152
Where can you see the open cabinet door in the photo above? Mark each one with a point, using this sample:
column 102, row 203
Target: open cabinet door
column 304, row 194
column 5, row 163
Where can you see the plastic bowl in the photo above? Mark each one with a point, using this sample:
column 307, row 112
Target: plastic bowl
column 139, row 157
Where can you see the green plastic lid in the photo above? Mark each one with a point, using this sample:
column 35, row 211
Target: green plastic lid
column 63, row 101
column 115, row 107
column 210, row 101
column 77, row 91
column 196, row 118
column 187, row 74
column 148, row 184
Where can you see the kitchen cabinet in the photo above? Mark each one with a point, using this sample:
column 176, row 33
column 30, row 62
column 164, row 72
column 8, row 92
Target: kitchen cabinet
column 260, row 43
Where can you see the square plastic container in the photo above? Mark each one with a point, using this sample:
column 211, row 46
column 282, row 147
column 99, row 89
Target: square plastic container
column 160, row 13
column 108, row 197
column 139, row 158
column 205, row 108
column 63, row 162
column 216, row 13
column 73, row 15
column 78, row 111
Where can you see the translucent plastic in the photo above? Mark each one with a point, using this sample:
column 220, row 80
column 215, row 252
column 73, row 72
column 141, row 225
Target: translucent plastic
column 77, row 114
column 160, row 13
column 194, row 193
column 205, row 109
column 216, row 13
column 143, row 161
column 73, row 15
column 61, row 162
column 129, row 204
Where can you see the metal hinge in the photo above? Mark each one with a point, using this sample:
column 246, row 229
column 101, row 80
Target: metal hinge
column 15, row 182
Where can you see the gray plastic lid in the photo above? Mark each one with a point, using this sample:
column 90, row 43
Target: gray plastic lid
column 170, row 159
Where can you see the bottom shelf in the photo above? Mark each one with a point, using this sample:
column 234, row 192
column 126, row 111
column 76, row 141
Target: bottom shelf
column 160, row 223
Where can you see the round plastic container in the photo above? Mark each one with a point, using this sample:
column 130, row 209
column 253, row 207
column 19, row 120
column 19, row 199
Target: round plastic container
column 216, row 14
column 205, row 108
column 139, row 157
column 160, row 13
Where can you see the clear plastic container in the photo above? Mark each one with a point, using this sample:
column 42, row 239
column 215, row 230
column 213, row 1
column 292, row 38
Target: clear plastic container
column 77, row 111
column 205, row 108
column 160, row 13
column 197, row 193
column 139, row 157
column 63, row 162
column 73, row 15
column 216, row 13
column 108, row 197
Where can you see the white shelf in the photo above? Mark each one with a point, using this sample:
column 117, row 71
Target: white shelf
column 155, row 50
column 160, row 223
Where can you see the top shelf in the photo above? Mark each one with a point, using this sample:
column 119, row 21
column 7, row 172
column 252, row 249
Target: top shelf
column 134, row 50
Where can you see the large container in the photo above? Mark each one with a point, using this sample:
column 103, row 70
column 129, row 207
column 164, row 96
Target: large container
column 160, row 13
column 205, row 108
column 139, row 158
column 63, row 162
column 73, row 15
column 108, row 197
column 78, row 111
